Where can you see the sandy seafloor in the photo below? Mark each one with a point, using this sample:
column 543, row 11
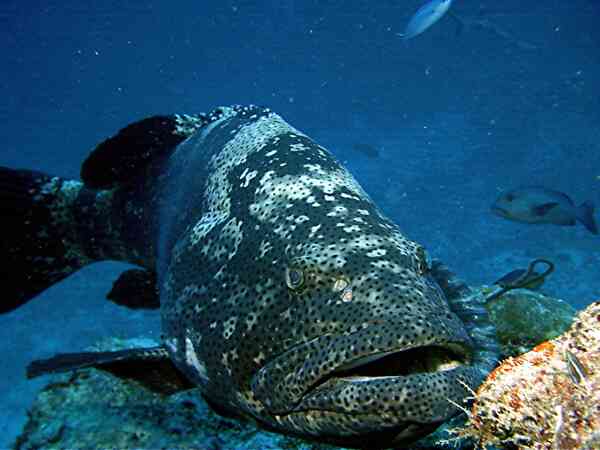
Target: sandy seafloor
column 456, row 120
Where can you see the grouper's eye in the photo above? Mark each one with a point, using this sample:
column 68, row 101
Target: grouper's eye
column 294, row 278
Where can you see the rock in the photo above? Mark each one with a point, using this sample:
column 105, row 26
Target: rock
column 525, row 318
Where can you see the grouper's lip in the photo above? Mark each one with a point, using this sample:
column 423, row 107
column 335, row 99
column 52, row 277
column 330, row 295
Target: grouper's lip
column 318, row 374
column 403, row 396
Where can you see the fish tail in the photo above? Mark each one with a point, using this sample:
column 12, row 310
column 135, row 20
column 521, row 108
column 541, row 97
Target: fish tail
column 51, row 227
column 35, row 251
column 585, row 214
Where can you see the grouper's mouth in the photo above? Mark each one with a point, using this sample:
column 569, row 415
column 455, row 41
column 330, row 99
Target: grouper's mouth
column 414, row 383
column 410, row 383
column 405, row 362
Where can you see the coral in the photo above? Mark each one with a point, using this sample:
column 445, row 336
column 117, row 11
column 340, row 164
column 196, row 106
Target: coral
column 535, row 401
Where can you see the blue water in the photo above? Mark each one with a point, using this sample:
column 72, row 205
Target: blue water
column 512, row 99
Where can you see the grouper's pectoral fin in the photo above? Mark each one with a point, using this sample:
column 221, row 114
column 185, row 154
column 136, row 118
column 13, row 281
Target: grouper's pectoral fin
column 150, row 367
column 135, row 289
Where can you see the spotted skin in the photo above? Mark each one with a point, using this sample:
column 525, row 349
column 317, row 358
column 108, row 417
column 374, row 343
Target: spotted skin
column 265, row 199
column 286, row 295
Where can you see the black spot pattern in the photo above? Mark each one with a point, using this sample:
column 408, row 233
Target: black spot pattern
column 247, row 200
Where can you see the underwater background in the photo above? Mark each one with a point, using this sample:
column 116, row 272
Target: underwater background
column 433, row 128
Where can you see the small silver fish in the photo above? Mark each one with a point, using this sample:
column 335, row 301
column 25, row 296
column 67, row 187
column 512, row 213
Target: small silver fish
column 576, row 370
column 426, row 15
column 541, row 205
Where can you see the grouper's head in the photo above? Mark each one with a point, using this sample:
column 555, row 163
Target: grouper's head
column 368, row 350
column 303, row 306
column 355, row 343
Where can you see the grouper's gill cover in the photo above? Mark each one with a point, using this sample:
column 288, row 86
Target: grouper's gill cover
column 288, row 297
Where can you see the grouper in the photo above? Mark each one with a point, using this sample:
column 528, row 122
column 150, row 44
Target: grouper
column 286, row 296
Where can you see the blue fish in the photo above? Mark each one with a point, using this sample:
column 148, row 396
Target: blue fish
column 427, row 15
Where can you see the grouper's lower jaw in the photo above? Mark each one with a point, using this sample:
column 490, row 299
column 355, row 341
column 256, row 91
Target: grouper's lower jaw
column 355, row 410
column 378, row 412
column 421, row 397
column 361, row 431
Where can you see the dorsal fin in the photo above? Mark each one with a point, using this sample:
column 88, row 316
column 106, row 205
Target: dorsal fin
column 136, row 148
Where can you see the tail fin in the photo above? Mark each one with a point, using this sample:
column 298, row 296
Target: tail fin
column 51, row 227
column 585, row 214
column 36, row 242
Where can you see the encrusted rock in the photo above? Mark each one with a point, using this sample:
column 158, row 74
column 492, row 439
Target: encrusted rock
column 541, row 401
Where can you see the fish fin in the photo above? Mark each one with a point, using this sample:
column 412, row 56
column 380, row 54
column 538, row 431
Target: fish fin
column 221, row 409
column 137, row 149
column 542, row 210
column 151, row 367
column 585, row 214
column 35, row 243
column 452, row 286
column 135, row 289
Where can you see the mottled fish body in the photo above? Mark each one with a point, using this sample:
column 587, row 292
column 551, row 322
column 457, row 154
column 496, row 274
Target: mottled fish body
column 426, row 16
column 286, row 296
column 539, row 205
